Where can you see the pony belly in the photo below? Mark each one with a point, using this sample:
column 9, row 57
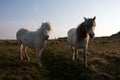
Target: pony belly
column 30, row 45
column 80, row 45
column 28, row 42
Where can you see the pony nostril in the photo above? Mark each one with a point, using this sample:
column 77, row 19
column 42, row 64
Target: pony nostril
column 47, row 37
column 92, row 35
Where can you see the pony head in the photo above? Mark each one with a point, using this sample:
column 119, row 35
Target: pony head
column 46, row 28
column 90, row 26
column 87, row 27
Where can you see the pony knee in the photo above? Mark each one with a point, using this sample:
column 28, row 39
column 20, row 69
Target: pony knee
column 21, row 56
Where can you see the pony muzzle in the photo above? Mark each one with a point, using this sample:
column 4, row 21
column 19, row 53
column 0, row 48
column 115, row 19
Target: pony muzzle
column 46, row 37
column 92, row 35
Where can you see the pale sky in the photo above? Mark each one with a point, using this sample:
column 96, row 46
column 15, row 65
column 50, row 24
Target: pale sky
column 62, row 15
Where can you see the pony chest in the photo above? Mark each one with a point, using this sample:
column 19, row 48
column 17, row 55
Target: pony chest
column 80, row 44
column 29, row 43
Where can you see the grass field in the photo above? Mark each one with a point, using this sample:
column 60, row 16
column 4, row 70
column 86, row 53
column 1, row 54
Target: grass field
column 103, row 61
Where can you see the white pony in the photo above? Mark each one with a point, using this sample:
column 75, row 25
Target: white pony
column 79, row 37
column 35, row 39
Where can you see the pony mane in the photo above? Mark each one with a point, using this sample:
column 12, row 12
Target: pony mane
column 46, row 24
column 81, row 31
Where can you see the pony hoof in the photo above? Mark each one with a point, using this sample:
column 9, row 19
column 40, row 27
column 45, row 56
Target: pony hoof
column 73, row 61
column 86, row 65
column 28, row 60
column 39, row 65
column 21, row 59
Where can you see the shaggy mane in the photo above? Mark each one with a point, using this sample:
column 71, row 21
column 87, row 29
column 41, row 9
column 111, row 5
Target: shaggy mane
column 47, row 25
column 81, row 32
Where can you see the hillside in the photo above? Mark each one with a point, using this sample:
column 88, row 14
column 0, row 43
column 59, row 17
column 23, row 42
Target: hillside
column 103, row 61
column 117, row 36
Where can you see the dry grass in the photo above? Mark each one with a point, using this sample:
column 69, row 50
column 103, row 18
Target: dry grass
column 103, row 61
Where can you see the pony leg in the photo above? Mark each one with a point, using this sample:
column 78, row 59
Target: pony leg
column 21, row 52
column 85, row 60
column 76, row 54
column 19, row 47
column 18, row 51
column 39, row 51
column 26, row 53
column 73, row 54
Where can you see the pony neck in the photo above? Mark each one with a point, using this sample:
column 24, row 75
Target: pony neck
column 40, row 33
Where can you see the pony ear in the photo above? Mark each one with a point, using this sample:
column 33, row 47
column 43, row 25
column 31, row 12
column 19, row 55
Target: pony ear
column 85, row 18
column 42, row 23
column 94, row 18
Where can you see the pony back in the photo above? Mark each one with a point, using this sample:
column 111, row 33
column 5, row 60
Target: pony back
column 20, row 33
